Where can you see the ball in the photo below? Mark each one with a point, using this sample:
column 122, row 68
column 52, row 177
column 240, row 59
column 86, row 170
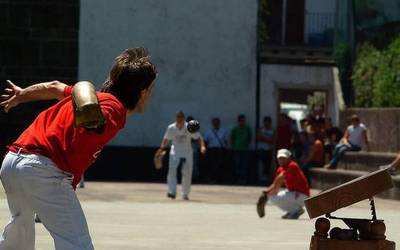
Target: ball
column 193, row 126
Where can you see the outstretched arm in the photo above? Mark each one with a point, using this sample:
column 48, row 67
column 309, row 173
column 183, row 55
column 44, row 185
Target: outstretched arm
column 40, row 91
column 202, row 145
column 164, row 143
column 276, row 184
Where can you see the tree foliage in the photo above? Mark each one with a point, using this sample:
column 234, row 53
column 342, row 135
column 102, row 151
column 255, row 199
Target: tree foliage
column 376, row 76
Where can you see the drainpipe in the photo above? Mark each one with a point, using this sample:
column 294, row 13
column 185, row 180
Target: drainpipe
column 258, row 72
column 283, row 28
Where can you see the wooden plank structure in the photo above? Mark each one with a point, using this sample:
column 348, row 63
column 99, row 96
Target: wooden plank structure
column 362, row 234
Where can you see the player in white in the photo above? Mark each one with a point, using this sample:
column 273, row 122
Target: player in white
column 181, row 154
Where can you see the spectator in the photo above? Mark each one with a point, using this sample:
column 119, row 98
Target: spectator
column 283, row 132
column 291, row 199
column 240, row 140
column 315, row 157
column 216, row 140
column 333, row 135
column 354, row 137
column 297, row 146
column 318, row 122
column 265, row 138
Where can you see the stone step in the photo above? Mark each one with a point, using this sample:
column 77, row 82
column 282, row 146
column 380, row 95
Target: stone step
column 324, row 179
column 365, row 161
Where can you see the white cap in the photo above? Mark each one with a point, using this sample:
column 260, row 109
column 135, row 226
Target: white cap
column 283, row 153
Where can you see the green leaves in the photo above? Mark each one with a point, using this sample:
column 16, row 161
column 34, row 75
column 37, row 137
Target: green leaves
column 376, row 76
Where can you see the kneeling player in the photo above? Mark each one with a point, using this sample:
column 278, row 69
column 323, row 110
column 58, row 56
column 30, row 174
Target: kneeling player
column 291, row 199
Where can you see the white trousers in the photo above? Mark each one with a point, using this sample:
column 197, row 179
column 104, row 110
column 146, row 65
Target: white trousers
column 186, row 163
column 290, row 202
column 34, row 184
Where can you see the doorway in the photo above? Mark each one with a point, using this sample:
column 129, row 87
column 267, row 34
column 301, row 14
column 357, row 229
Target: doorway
column 299, row 103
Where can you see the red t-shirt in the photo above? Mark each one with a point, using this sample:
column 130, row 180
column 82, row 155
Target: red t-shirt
column 294, row 178
column 72, row 149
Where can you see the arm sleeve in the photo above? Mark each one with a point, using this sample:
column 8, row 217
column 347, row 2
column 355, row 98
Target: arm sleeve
column 363, row 126
column 168, row 134
column 196, row 136
column 67, row 91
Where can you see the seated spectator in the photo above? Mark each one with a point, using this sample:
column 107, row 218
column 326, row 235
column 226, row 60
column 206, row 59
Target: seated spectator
column 291, row 199
column 315, row 157
column 332, row 136
column 216, row 139
column 354, row 137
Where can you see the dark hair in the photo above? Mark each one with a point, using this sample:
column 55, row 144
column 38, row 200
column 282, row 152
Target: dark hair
column 241, row 116
column 180, row 113
column 267, row 119
column 355, row 118
column 189, row 118
column 131, row 73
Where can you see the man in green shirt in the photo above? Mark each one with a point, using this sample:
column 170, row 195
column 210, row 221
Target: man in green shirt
column 240, row 141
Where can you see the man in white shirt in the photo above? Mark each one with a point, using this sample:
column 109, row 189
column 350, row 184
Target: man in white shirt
column 216, row 139
column 265, row 139
column 180, row 155
column 354, row 137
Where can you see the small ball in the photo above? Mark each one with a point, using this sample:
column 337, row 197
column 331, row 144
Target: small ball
column 322, row 225
column 193, row 126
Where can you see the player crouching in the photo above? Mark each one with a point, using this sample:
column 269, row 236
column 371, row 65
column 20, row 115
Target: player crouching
column 291, row 199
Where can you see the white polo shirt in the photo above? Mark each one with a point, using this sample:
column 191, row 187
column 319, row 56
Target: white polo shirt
column 181, row 140
column 356, row 134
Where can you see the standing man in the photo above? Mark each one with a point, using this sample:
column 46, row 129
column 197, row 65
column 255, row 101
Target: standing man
column 240, row 141
column 217, row 140
column 265, row 138
column 291, row 198
column 44, row 165
column 354, row 137
column 180, row 155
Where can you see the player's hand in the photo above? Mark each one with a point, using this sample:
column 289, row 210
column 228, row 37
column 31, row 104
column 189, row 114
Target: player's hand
column 11, row 97
column 203, row 150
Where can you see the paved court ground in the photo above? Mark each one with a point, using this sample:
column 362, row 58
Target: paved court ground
column 125, row 216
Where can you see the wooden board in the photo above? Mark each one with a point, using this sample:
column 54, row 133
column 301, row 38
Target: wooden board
column 349, row 193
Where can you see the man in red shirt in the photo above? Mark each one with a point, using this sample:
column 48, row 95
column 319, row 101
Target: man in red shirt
column 44, row 165
column 291, row 199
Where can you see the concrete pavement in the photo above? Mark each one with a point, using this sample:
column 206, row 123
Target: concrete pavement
column 139, row 216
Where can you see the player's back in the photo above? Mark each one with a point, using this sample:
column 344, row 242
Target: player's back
column 53, row 134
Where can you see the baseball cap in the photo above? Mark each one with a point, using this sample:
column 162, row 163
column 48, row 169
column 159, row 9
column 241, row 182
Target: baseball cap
column 283, row 153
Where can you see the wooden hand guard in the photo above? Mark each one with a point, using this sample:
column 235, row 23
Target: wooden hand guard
column 87, row 112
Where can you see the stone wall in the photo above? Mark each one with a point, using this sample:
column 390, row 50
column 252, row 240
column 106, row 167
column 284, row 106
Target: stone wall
column 38, row 42
column 205, row 52
column 383, row 127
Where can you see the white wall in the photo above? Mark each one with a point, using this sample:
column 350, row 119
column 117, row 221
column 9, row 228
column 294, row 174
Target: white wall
column 275, row 77
column 204, row 51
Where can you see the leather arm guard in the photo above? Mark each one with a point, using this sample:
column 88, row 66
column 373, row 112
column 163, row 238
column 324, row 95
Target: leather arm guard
column 87, row 111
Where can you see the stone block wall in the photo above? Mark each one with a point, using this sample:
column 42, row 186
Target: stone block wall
column 38, row 42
